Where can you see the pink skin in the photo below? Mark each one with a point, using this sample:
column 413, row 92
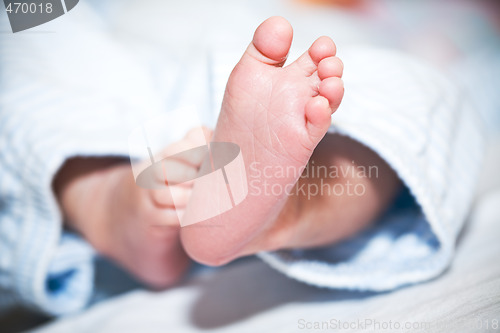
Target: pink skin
column 136, row 227
column 277, row 115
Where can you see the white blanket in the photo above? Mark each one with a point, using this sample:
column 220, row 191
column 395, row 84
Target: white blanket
column 250, row 297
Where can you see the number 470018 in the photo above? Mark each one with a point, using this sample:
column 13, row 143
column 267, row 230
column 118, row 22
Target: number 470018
column 32, row 8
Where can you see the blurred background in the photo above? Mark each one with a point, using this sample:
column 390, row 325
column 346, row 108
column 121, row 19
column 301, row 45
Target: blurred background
column 460, row 37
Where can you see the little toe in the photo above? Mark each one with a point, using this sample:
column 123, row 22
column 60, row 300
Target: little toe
column 318, row 116
column 330, row 67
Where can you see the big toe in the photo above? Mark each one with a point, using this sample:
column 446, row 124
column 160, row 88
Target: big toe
column 271, row 41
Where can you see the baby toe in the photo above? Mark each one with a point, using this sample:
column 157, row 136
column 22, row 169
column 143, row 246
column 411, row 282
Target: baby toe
column 330, row 67
column 332, row 88
column 322, row 48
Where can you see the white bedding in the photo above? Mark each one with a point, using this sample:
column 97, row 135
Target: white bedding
column 249, row 296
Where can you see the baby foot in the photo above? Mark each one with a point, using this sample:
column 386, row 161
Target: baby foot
column 137, row 228
column 277, row 115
